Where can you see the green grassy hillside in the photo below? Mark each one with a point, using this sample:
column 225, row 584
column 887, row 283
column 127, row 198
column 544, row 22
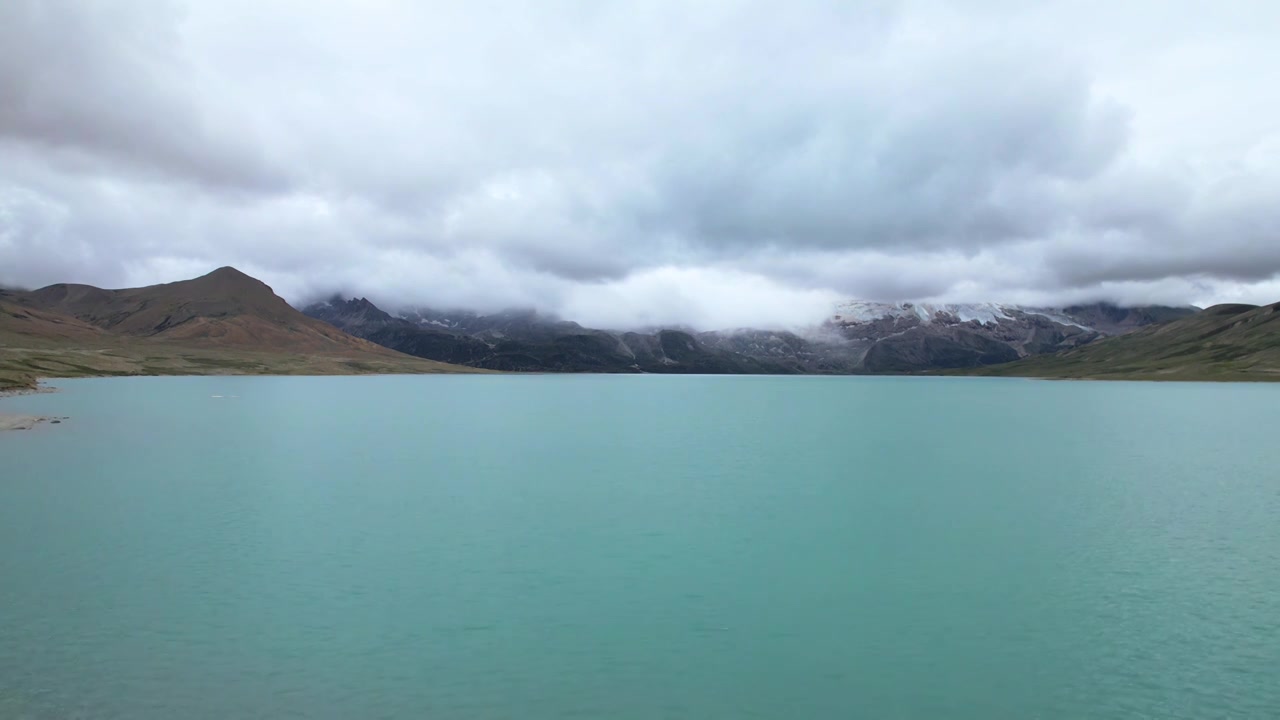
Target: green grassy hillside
column 1224, row 342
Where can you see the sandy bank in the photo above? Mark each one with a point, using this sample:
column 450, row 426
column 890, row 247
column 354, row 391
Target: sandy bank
column 25, row 422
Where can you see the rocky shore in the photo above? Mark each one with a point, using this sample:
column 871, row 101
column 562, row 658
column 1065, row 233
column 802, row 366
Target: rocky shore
column 11, row 391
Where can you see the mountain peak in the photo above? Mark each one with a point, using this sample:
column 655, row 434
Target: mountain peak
column 228, row 282
column 226, row 271
column 199, row 326
column 229, row 275
column 356, row 310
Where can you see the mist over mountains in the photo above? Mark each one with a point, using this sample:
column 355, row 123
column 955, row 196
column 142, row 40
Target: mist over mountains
column 856, row 337
column 227, row 322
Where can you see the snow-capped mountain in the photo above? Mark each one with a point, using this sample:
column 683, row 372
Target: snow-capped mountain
column 859, row 337
column 862, row 312
column 1104, row 318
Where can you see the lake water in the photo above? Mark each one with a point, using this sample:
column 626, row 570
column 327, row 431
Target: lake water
column 641, row 547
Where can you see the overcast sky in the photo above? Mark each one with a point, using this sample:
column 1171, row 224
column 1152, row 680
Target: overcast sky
column 716, row 163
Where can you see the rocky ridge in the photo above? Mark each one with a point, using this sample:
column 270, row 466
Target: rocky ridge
column 859, row 337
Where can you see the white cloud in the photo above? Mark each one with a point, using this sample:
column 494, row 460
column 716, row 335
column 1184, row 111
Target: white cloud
column 703, row 298
column 646, row 162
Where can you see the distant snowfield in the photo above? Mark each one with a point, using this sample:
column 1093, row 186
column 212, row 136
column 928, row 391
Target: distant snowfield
column 984, row 313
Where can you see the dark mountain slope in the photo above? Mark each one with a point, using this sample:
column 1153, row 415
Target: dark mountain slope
column 1111, row 319
column 860, row 338
column 361, row 318
column 915, row 349
column 523, row 341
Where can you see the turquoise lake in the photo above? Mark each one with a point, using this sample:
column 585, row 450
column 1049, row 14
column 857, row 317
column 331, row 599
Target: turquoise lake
column 641, row 547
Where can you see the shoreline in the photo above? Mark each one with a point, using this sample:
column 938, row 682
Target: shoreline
column 37, row 390
column 26, row 422
column 10, row 421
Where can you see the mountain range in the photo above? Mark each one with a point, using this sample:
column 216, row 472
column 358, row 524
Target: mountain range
column 221, row 323
column 859, row 337
column 226, row 322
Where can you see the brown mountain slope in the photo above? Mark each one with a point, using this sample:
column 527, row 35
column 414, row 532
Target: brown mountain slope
column 225, row 308
column 225, row 292
column 1224, row 342
column 23, row 327
column 221, row 323
column 18, row 321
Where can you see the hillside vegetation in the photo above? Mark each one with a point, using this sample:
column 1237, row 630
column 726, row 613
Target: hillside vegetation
column 1223, row 342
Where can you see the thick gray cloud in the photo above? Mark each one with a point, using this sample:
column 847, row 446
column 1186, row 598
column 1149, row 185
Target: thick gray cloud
column 101, row 87
column 717, row 163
